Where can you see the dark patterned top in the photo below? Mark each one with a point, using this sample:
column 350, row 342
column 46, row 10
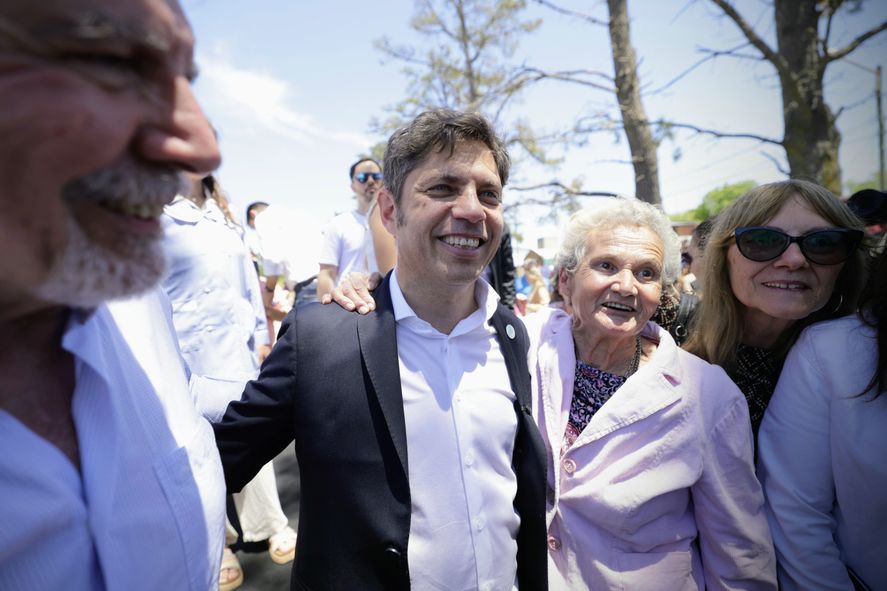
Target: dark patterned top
column 755, row 372
column 592, row 387
column 667, row 311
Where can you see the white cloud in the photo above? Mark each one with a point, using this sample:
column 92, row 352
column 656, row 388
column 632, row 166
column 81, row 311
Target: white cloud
column 253, row 98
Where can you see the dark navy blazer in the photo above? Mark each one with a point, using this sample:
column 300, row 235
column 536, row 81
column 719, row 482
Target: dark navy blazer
column 332, row 383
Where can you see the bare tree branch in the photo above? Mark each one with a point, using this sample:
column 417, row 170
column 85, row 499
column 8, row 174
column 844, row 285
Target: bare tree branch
column 828, row 29
column 564, row 189
column 712, row 54
column 571, row 76
column 733, row 53
column 844, row 108
column 561, row 197
column 604, row 123
column 581, row 15
column 776, row 163
column 771, row 56
column 612, row 161
column 716, row 133
column 851, row 47
column 404, row 54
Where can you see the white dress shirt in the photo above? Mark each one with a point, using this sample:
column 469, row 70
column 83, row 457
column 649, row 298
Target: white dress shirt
column 146, row 509
column 460, row 426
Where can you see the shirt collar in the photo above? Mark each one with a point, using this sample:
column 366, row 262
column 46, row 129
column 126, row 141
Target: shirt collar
column 82, row 337
column 185, row 210
column 667, row 358
column 484, row 295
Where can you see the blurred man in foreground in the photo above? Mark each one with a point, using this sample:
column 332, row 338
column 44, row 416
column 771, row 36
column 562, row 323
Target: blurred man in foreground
column 108, row 477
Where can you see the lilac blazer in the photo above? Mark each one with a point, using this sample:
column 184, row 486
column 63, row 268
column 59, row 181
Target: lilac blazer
column 659, row 490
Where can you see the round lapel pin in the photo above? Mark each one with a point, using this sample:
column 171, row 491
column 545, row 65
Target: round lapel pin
column 509, row 330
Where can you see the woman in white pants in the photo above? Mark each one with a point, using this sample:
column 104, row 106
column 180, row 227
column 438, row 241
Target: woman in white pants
column 220, row 322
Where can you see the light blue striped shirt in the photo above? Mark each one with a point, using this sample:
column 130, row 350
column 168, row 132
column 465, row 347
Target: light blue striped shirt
column 146, row 510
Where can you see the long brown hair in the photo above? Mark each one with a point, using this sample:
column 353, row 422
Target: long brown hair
column 212, row 190
column 873, row 312
column 717, row 327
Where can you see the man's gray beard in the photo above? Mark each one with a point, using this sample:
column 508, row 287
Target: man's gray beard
column 87, row 274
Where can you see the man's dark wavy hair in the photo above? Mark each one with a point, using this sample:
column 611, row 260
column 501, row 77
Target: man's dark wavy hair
column 440, row 130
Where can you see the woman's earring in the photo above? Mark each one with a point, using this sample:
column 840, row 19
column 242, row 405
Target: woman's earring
column 840, row 302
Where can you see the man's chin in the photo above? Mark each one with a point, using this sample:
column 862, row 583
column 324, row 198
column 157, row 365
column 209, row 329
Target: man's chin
column 87, row 275
column 87, row 292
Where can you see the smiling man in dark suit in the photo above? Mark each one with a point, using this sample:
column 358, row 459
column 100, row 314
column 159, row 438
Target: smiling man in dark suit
column 420, row 463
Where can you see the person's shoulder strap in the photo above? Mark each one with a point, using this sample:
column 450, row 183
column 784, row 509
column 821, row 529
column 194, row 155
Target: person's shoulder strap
column 686, row 309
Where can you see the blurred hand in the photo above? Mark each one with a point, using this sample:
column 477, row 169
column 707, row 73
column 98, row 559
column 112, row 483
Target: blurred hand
column 262, row 352
column 353, row 293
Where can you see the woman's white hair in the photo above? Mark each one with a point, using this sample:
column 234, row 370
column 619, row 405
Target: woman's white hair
column 617, row 213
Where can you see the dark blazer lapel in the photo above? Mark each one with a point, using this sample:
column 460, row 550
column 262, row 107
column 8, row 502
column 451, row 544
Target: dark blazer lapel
column 378, row 346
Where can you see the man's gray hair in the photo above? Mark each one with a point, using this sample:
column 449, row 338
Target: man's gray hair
column 439, row 129
column 616, row 213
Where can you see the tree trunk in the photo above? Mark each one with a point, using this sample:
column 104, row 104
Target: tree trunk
column 634, row 118
column 811, row 138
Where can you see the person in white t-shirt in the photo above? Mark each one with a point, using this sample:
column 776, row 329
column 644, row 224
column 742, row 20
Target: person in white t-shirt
column 346, row 244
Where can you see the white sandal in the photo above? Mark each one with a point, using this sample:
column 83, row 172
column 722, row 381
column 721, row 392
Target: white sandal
column 229, row 561
column 282, row 546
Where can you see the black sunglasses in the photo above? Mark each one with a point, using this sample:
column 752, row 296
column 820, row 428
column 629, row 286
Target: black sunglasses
column 686, row 259
column 362, row 177
column 823, row 247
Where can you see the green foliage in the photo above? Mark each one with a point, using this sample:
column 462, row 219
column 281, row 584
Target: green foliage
column 684, row 216
column 717, row 199
column 873, row 183
column 714, row 201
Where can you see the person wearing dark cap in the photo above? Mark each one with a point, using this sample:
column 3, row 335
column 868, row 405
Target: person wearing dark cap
column 870, row 205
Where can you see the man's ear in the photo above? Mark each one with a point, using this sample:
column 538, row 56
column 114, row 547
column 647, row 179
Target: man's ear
column 387, row 210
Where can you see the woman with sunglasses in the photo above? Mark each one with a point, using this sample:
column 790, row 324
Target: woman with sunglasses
column 781, row 257
column 822, row 447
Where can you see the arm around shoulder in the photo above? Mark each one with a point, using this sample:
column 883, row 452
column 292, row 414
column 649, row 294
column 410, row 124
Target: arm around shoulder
column 326, row 279
column 259, row 426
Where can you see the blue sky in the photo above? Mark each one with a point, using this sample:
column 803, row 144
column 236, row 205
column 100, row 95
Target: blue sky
column 292, row 86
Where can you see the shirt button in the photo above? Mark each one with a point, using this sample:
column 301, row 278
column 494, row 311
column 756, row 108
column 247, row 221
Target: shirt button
column 569, row 466
column 554, row 543
column 469, row 459
column 480, row 523
column 488, row 586
column 206, row 290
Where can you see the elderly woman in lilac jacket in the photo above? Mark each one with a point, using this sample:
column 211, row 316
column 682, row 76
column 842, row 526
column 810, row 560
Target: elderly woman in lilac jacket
column 650, row 474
